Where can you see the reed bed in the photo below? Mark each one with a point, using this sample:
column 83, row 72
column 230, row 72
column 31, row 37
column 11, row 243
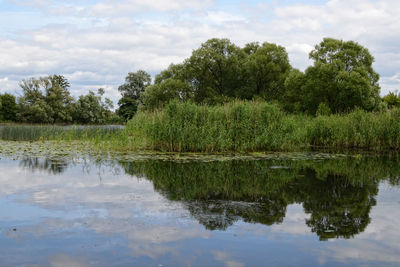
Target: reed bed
column 239, row 126
column 16, row 132
column 247, row 126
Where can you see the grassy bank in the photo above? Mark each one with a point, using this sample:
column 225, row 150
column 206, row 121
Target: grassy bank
column 257, row 126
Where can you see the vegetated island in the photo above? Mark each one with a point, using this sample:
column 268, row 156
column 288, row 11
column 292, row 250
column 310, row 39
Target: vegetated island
column 223, row 98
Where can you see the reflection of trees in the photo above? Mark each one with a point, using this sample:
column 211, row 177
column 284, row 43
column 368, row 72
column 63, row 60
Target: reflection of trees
column 339, row 206
column 44, row 164
column 338, row 194
column 220, row 193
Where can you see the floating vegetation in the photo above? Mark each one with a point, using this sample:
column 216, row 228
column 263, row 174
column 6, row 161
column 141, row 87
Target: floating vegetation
column 75, row 150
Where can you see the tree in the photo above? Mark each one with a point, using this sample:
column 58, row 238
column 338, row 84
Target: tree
column 215, row 69
column 58, row 98
column 392, row 99
column 8, row 107
column 45, row 100
column 90, row 108
column 131, row 90
column 292, row 100
column 342, row 77
column 174, row 71
column 159, row 94
column 266, row 68
column 32, row 105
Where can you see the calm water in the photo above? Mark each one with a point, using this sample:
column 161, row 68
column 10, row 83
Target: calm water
column 234, row 213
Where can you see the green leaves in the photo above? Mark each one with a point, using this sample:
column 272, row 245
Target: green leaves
column 8, row 107
column 265, row 70
column 135, row 84
column 342, row 77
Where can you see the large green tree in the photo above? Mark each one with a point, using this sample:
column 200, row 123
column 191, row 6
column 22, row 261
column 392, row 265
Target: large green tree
column 265, row 70
column 215, row 69
column 135, row 84
column 342, row 77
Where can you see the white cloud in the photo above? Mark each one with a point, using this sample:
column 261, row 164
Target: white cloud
column 379, row 242
column 226, row 258
column 108, row 39
column 106, row 201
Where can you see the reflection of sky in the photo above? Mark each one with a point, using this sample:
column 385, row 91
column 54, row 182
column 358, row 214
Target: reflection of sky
column 96, row 215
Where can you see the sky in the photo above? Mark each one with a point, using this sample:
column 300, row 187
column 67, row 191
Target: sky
column 95, row 43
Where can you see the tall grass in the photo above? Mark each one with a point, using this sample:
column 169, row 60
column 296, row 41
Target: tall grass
column 236, row 126
column 358, row 129
column 239, row 126
column 242, row 126
column 15, row 132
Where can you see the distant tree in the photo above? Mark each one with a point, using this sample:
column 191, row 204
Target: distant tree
column 91, row 109
column 342, row 77
column 265, row 70
column 8, row 107
column 131, row 90
column 45, row 100
column 32, row 105
column 58, row 98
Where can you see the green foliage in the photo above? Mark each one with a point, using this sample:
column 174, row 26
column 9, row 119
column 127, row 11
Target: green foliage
column 159, row 94
column 48, row 100
column 135, row 84
column 358, row 129
column 266, row 68
column 392, row 99
column 8, row 107
column 215, row 69
column 342, row 77
column 174, row 71
column 91, row 109
column 53, row 132
column 45, row 100
column 292, row 99
column 259, row 126
column 235, row 126
column 323, row 110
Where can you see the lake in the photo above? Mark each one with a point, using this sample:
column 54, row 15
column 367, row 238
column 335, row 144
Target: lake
column 342, row 211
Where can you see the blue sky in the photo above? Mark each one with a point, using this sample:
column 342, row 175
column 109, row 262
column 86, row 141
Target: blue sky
column 96, row 43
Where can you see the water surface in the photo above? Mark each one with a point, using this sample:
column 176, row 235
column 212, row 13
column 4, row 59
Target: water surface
column 330, row 212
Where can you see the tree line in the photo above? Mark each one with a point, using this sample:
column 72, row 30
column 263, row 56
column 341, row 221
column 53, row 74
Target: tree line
column 340, row 79
column 48, row 100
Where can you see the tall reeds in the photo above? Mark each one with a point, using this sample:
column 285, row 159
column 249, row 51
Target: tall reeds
column 239, row 126
column 244, row 126
column 15, row 132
